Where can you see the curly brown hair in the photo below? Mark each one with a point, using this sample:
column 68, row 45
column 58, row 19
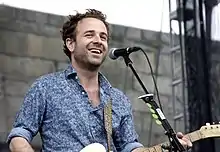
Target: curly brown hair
column 69, row 27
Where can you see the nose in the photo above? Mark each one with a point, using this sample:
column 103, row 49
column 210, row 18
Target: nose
column 97, row 39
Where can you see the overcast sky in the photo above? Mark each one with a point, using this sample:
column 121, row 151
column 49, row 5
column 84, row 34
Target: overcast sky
column 144, row 14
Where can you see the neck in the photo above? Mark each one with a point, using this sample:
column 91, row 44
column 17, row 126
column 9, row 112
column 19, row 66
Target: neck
column 88, row 79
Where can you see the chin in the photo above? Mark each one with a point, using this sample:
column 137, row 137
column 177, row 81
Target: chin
column 96, row 62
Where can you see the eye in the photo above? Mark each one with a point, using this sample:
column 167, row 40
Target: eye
column 103, row 38
column 89, row 35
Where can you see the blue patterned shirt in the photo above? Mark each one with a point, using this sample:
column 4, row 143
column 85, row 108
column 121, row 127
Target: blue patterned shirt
column 58, row 107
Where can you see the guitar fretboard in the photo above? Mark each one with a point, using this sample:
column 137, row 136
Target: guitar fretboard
column 193, row 136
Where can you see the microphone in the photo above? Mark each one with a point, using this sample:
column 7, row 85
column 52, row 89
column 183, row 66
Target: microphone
column 117, row 52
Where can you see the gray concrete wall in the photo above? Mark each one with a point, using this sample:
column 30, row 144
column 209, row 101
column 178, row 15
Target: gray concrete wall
column 30, row 46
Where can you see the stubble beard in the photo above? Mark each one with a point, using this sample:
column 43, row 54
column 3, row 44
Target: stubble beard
column 84, row 62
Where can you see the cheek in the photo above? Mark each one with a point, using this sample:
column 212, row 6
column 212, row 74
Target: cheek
column 105, row 44
column 81, row 46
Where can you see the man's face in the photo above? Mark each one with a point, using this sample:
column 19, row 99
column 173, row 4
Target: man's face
column 91, row 45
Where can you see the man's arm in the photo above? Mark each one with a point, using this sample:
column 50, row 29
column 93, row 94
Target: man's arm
column 19, row 144
column 125, row 136
column 28, row 120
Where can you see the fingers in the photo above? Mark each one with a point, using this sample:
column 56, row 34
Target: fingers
column 184, row 140
column 179, row 135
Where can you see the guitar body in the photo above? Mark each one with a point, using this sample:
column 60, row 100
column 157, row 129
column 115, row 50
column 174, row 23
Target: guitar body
column 94, row 147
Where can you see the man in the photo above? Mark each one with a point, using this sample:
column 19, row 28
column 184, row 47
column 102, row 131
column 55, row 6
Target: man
column 66, row 107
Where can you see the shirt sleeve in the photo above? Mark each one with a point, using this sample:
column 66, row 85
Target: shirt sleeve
column 126, row 138
column 29, row 118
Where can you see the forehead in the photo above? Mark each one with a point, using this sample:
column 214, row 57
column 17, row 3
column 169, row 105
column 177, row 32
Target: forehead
column 91, row 24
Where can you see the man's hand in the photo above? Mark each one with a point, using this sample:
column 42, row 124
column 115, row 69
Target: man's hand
column 184, row 140
column 19, row 144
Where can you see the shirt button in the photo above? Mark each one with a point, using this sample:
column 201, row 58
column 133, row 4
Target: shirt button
column 83, row 92
column 76, row 77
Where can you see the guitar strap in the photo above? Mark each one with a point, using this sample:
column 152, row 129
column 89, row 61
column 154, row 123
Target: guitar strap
column 108, row 123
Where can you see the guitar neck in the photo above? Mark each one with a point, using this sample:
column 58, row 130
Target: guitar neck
column 193, row 136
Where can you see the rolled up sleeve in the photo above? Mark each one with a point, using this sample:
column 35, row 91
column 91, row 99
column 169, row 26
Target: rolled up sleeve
column 30, row 115
column 20, row 132
column 126, row 138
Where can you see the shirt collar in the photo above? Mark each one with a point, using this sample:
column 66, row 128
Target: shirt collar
column 104, row 83
column 70, row 71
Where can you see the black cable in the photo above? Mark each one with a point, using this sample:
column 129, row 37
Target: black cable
column 155, row 85
column 156, row 71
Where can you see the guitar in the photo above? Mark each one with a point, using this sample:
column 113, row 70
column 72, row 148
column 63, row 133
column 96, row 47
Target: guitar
column 208, row 131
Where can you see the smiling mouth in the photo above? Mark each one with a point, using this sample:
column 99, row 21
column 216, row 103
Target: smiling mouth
column 96, row 51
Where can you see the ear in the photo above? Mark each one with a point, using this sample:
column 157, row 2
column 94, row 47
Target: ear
column 70, row 44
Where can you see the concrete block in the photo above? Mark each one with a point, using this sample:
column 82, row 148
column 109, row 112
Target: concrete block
column 164, row 85
column 117, row 74
column 158, row 138
column 156, row 134
column 25, row 67
column 21, row 26
column 62, row 66
column 14, row 43
column 165, row 49
column 38, row 17
column 3, row 120
column 180, row 126
column 35, row 45
column 140, row 62
column 13, row 104
column 118, row 33
column 148, row 35
column 138, row 123
column 149, row 123
column 166, row 103
column 30, row 27
column 31, row 16
column 164, row 68
column 147, row 80
column 137, row 104
column 53, row 49
column 44, row 47
column 6, row 11
column 23, row 14
column 142, row 44
column 16, row 88
column 10, row 121
column 147, row 129
column 55, row 20
column 48, row 31
column 2, row 81
column 115, row 44
column 133, row 33
column 24, row 26
column 165, row 38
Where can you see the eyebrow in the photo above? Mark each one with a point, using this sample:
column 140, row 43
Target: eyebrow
column 92, row 31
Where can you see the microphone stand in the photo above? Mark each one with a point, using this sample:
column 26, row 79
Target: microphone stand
column 148, row 98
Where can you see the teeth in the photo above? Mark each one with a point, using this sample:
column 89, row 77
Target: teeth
column 96, row 51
